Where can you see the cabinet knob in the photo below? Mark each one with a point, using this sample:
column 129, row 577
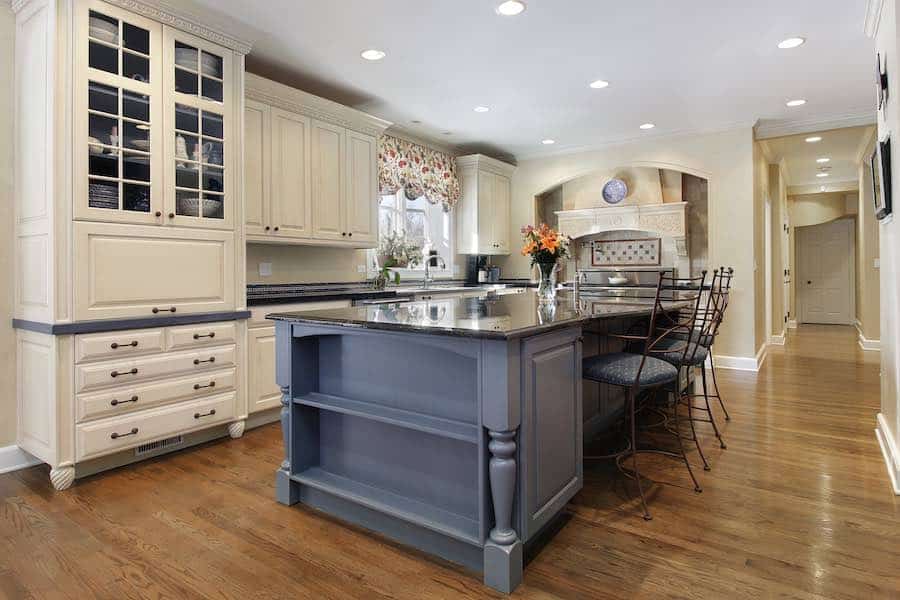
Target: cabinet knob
column 115, row 374
column 157, row 310
column 267, row 228
column 171, row 215
column 118, row 402
column 114, row 435
column 116, row 345
column 158, row 213
column 344, row 233
column 201, row 415
column 276, row 228
column 350, row 234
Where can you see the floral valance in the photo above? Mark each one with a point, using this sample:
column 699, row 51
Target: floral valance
column 418, row 171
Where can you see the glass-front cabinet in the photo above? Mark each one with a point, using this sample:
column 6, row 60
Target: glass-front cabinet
column 152, row 123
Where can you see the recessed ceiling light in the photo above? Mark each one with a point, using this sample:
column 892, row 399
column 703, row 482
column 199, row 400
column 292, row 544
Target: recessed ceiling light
column 821, row 174
column 548, row 142
column 648, row 126
column 823, row 160
column 372, row 54
column 599, row 84
column 791, row 43
column 510, row 8
column 814, row 139
column 798, row 102
column 481, row 109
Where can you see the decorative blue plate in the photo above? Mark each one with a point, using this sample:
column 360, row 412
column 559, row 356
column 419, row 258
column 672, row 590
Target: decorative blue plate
column 614, row 191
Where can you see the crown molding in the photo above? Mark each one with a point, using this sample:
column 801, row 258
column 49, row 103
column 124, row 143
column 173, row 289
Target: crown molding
column 850, row 185
column 404, row 134
column 293, row 100
column 867, row 140
column 873, row 17
column 781, row 128
column 486, row 163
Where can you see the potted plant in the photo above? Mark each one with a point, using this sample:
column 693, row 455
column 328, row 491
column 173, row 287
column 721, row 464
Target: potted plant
column 546, row 247
column 394, row 252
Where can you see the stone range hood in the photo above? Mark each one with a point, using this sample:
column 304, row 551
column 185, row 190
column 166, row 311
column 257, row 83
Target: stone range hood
column 667, row 220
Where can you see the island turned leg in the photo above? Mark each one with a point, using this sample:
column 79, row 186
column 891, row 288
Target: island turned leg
column 285, row 491
column 503, row 550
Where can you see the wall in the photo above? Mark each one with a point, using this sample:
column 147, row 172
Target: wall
column 304, row 264
column 760, row 194
column 778, row 198
column 585, row 192
column 723, row 158
column 868, row 286
column 815, row 209
column 7, row 335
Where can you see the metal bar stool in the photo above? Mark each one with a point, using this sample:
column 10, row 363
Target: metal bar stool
column 639, row 373
column 721, row 294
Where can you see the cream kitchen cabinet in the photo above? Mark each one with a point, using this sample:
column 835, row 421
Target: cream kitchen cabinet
column 483, row 215
column 311, row 169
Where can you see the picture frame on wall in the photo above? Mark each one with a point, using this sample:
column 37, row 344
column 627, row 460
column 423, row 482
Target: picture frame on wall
column 880, row 165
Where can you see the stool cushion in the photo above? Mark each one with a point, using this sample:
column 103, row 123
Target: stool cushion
column 706, row 339
column 621, row 368
column 671, row 350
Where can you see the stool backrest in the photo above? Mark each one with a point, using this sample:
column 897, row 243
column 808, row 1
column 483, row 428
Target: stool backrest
column 687, row 323
column 720, row 292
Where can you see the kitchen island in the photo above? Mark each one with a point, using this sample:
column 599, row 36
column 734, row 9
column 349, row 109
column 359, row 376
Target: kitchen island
column 454, row 426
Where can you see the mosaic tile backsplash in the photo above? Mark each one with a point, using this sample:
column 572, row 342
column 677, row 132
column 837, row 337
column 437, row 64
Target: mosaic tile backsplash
column 626, row 253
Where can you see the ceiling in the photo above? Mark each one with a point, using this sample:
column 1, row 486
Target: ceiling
column 841, row 146
column 685, row 66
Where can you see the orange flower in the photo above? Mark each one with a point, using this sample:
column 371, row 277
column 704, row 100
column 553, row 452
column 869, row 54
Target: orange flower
column 529, row 248
column 550, row 242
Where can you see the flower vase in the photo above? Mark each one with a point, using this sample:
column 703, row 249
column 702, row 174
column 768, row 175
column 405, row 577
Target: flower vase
column 547, row 285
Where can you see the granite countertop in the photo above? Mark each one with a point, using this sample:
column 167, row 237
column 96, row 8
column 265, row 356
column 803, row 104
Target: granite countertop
column 501, row 317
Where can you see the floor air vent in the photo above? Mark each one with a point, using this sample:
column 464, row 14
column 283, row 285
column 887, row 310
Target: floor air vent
column 152, row 447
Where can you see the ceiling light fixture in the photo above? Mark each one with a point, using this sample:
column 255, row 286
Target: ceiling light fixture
column 511, row 8
column 814, row 139
column 823, row 160
column 798, row 102
column 372, row 54
column 548, row 142
column 481, row 109
column 791, row 43
column 599, row 84
column 648, row 126
column 821, row 174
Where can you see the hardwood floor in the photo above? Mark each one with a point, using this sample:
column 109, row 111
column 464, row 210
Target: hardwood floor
column 798, row 506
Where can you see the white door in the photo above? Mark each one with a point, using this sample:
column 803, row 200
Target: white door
column 825, row 276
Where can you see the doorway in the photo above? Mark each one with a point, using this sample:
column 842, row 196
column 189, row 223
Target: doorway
column 826, row 258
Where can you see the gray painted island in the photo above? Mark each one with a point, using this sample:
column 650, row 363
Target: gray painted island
column 454, row 426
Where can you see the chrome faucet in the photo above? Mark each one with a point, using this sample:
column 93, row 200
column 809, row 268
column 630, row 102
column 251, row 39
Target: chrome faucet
column 428, row 278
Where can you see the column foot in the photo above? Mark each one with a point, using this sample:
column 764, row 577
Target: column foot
column 62, row 478
column 236, row 429
column 503, row 566
column 286, row 491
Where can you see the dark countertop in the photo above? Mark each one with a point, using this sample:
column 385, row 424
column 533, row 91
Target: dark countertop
column 501, row 317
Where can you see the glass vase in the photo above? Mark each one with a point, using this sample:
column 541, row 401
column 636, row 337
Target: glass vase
column 547, row 285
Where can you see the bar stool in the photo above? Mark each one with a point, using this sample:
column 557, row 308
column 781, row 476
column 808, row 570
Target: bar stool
column 721, row 295
column 640, row 374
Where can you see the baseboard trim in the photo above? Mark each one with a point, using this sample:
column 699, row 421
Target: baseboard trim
column 889, row 451
column 265, row 417
column 739, row 363
column 13, row 458
column 864, row 342
column 792, row 324
column 777, row 340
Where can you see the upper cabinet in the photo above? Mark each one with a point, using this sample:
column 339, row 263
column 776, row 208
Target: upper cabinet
column 310, row 169
column 483, row 211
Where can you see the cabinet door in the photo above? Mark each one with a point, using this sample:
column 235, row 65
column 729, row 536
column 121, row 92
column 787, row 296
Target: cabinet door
column 257, row 168
column 362, row 189
column 328, row 156
column 264, row 392
column 292, row 213
column 500, row 214
column 486, row 243
column 117, row 116
column 124, row 271
column 200, row 141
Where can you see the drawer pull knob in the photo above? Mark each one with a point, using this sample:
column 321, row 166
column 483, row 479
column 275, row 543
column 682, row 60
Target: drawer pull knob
column 210, row 335
column 156, row 310
column 115, row 345
column 209, row 414
column 211, row 359
column 197, row 386
column 115, row 436
column 118, row 402
column 133, row 371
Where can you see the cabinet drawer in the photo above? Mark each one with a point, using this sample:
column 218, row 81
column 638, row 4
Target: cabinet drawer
column 128, row 399
column 119, row 433
column 117, row 344
column 124, row 271
column 122, row 373
column 193, row 336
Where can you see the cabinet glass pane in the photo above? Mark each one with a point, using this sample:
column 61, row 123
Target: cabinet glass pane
column 103, row 194
column 104, row 130
column 213, row 180
column 136, row 166
column 136, row 38
column 213, row 152
column 211, row 65
column 186, row 56
column 212, row 89
column 185, row 82
column 103, row 98
column 187, row 203
column 187, row 118
column 136, row 106
column 103, row 57
column 212, row 125
column 102, row 163
column 102, row 27
column 187, row 176
column 136, row 197
column 135, row 67
column 213, row 206
column 137, row 136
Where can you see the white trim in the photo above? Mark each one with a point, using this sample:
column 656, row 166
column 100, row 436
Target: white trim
column 777, row 340
column 889, row 451
column 742, row 363
column 13, row 458
column 864, row 342
column 779, row 128
column 849, row 185
column 792, row 323
column 873, row 17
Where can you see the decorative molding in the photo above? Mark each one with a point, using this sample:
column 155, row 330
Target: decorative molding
column 404, row 134
column 816, row 188
column 864, row 342
column 664, row 219
column 779, row 128
column 13, row 458
column 777, row 340
column 889, row 451
column 293, row 100
column 873, row 17
column 742, row 363
column 485, row 163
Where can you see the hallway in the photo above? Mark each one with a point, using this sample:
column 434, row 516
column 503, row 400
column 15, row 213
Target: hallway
column 798, row 506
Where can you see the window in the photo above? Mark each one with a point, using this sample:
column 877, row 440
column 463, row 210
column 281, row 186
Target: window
column 423, row 224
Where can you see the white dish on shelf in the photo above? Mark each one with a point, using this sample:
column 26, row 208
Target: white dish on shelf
column 618, row 280
column 186, row 57
column 211, row 65
column 103, row 30
column 143, row 145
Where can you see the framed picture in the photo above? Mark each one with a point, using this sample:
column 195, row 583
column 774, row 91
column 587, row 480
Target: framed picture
column 880, row 165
